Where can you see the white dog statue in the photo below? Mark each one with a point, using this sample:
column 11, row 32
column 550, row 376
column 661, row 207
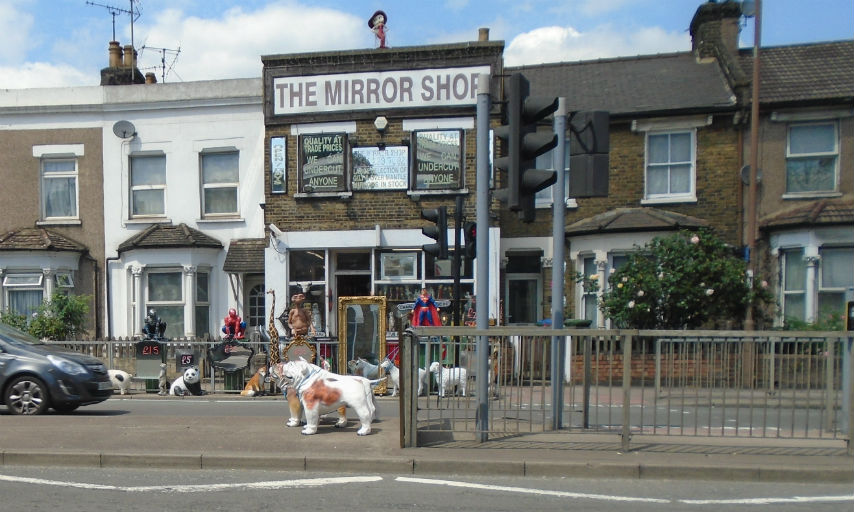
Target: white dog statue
column 321, row 391
column 448, row 378
column 393, row 374
column 120, row 380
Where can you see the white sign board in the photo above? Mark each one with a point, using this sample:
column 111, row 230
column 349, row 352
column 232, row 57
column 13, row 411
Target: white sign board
column 447, row 87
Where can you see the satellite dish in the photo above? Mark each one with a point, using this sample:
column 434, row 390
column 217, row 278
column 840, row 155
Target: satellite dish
column 124, row 129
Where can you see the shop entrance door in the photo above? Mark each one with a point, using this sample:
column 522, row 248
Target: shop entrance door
column 349, row 285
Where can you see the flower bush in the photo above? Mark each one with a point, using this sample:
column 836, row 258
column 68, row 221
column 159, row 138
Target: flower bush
column 57, row 319
column 686, row 280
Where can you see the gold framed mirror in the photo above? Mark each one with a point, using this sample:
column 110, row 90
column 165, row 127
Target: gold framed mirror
column 361, row 335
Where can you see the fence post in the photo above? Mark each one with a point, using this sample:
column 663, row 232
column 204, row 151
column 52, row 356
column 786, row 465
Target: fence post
column 585, row 407
column 828, row 384
column 627, row 390
column 408, row 391
column 657, row 367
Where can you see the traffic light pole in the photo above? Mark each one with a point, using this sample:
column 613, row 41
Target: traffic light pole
column 558, row 353
column 482, row 244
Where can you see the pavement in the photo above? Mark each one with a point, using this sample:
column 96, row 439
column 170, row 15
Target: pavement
column 114, row 439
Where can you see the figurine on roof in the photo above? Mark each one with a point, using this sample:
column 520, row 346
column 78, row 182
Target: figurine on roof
column 377, row 24
column 234, row 325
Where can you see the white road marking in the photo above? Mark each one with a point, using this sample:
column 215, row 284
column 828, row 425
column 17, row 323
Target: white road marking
column 270, row 485
column 605, row 497
column 771, row 501
column 523, row 490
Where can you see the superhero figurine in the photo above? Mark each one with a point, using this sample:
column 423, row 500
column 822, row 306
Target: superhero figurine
column 234, row 325
column 425, row 311
column 154, row 328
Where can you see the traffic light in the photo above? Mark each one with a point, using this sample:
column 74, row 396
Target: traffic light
column 589, row 145
column 439, row 232
column 470, row 234
column 523, row 144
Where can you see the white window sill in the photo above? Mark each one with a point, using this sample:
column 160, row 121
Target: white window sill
column 215, row 220
column 148, row 220
column 669, row 200
column 811, row 195
column 59, row 222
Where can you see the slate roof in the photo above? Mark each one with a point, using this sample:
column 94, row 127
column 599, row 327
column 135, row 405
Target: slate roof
column 245, row 255
column 38, row 239
column 160, row 236
column 804, row 72
column 634, row 219
column 825, row 211
column 648, row 84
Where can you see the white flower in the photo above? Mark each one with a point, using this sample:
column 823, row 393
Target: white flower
column 631, row 304
column 764, row 284
column 612, row 270
column 594, row 277
column 709, row 291
column 625, row 279
column 695, row 239
column 619, row 285
column 640, row 293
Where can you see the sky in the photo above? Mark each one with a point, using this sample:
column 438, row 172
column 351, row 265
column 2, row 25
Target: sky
column 61, row 43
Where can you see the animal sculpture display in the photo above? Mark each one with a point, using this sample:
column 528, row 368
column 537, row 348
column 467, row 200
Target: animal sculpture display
column 187, row 384
column 271, row 329
column 320, row 391
column 162, row 382
column 393, row 373
column 120, row 379
column 449, row 378
column 363, row 368
column 255, row 386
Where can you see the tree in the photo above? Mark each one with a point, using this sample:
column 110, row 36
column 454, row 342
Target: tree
column 683, row 281
column 57, row 319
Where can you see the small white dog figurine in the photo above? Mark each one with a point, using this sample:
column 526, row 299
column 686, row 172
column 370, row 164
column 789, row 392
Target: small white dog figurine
column 393, row 374
column 448, row 378
column 120, row 380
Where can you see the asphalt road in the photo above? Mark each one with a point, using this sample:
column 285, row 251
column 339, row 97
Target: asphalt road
column 134, row 489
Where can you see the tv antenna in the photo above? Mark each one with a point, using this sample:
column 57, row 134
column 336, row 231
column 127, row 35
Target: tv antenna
column 114, row 11
column 163, row 53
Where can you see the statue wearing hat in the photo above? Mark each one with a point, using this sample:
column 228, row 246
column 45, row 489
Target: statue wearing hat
column 377, row 24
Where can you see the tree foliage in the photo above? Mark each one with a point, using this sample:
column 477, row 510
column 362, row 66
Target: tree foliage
column 686, row 280
column 61, row 317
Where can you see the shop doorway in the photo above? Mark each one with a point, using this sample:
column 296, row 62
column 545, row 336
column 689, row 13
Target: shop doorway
column 349, row 285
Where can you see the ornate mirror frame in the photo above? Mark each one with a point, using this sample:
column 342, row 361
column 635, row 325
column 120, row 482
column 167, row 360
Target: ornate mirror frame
column 377, row 346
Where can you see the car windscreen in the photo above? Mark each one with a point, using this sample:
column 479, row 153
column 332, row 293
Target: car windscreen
column 15, row 336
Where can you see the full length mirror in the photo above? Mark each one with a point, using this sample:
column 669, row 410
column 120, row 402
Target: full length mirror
column 361, row 336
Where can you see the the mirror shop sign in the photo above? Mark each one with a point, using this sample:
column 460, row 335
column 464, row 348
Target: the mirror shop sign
column 381, row 89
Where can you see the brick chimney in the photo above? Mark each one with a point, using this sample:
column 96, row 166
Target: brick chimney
column 715, row 29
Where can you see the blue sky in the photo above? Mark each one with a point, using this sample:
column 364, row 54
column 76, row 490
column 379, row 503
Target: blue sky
column 57, row 43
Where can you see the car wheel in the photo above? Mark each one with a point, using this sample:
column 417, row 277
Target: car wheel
column 27, row 395
column 65, row 408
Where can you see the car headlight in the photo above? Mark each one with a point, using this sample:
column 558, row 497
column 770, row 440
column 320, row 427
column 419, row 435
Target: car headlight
column 67, row 366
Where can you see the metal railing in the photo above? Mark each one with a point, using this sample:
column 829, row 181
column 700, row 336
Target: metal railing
column 767, row 384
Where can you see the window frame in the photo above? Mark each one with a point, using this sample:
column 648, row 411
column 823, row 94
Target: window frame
column 785, row 292
column 790, row 157
column 135, row 188
column 671, row 197
column 414, row 185
column 205, row 186
column 63, row 175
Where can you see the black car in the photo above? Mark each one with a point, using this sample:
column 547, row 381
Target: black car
column 35, row 376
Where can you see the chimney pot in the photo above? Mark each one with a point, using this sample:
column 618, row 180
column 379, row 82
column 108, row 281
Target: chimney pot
column 115, row 54
column 483, row 34
column 129, row 56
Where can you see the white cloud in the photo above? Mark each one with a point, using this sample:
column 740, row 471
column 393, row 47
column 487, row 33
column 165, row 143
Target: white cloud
column 15, row 28
column 42, row 74
column 231, row 47
column 558, row 44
